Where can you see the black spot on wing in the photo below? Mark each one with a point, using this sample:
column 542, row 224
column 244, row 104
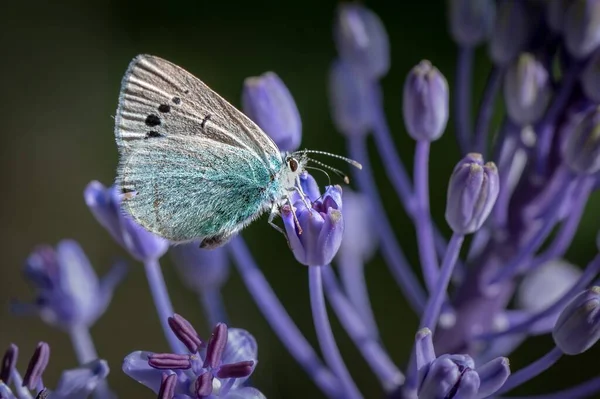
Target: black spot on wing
column 203, row 123
column 152, row 134
column 176, row 100
column 164, row 108
column 152, row 120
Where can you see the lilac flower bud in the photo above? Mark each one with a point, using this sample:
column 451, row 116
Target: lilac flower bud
column 268, row 102
column 37, row 365
column 512, row 31
column 448, row 375
column 349, row 99
column 471, row 21
column 9, row 361
column 590, row 79
column 582, row 27
column 200, row 269
column 105, row 204
column 472, row 193
column 581, row 149
column 578, row 326
column 359, row 240
column 555, row 14
column 492, row 375
column 425, row 102
column 527, row 90
column 68, row 290
column 361, row 40
column 322, row 228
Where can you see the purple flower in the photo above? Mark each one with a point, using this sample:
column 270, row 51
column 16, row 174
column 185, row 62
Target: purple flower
column 76, row 383
column 578, row 326
column 317, row 234
column 268, row 102
column 527, row 90
column 105, row 204
column 471, row 21
column 361, row 40
column 216, row 369
column 68, row 291
column 472, row 193
column 425, row 102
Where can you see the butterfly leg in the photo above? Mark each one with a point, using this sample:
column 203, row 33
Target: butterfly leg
column 302, row 196
column 274, row 212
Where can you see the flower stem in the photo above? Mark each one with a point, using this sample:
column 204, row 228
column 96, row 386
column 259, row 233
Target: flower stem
column 486, row 109
column 531, row 371
column 391, row 251
column 85, row 351
column 17, row 380
column 280, row 321
column 214, row 309
column 373, row 353
column 584, row 390
column 325, row 336
column 423, row 223
column 160, row 295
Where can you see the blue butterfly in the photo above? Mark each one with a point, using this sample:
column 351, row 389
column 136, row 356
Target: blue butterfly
column 192, row 167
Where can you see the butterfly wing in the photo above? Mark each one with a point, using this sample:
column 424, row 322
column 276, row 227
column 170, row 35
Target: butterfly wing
column 199, row 167
column 159, row 98
column 188, row 188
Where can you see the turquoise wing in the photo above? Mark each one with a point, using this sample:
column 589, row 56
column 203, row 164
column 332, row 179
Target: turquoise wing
column 187, row 188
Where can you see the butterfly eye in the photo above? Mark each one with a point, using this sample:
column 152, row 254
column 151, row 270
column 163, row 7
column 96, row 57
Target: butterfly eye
column 293, row 164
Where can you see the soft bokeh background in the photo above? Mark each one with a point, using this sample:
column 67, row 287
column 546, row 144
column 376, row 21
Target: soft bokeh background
column 61, row 69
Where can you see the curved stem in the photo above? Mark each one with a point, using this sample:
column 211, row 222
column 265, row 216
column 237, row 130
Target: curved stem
column 352, row 273
column 212, row 302
column 372, row 351
column 586, row 389
column 531, row 371
column 486, row 109
column 331, row 353
column 279, row 320
column 160, row 295
column 423, row 222
column 391, row 251
column 85, row 351
column 462, row 101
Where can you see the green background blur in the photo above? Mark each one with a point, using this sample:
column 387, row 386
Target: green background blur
column 61, row 68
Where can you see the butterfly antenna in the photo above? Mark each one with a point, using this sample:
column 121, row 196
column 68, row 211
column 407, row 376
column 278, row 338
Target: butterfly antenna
column 336, row 171
column 350, row 161
column 319, row 169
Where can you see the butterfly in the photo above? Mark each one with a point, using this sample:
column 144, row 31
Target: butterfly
column 191, row 166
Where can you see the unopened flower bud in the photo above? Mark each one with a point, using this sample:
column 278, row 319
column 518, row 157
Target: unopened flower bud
column 268, row 102
column 527, row 90
column 471, row 21
column 582, row 27
column 361, row 40
column 578, row 326
column 512, row 31
column 447, row 374
column 472, row 193
column 581, row 149
column 425, row 102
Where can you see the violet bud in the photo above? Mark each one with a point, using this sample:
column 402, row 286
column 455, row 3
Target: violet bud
column 581, row 149
column 590, row 78
column 425, row 102
column 492, row 376
column 471, row 21
column 67, row 288
column 582, row 27
column 200, row 269
column 578, row 326
column 361, row 40
column 322, row 228
column 450, row 374
column 105, row 204
column 349, row 99
column 268, row 102
column 512, row 31
column 527, row 90
column 472, row 193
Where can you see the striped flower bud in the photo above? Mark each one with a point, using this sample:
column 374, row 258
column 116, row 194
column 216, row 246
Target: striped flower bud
column 578, row 326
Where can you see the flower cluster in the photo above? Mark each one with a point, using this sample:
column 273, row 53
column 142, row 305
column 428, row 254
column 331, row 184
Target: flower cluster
column 519, row 189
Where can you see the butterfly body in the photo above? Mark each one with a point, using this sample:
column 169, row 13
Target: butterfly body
column 198, row 168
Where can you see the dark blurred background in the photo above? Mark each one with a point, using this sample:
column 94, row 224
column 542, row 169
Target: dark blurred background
column 61, row 69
